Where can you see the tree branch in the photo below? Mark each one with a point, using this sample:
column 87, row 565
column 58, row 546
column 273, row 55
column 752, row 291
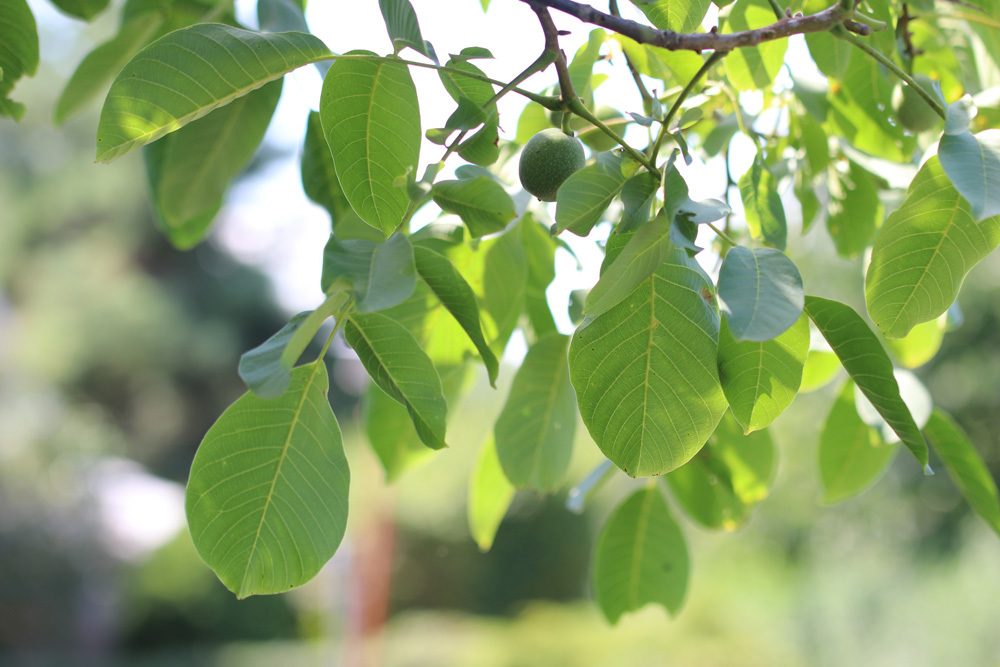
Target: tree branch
column 785, row 26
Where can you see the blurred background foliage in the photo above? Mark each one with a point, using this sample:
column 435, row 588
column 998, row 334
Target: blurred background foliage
column 117, row 353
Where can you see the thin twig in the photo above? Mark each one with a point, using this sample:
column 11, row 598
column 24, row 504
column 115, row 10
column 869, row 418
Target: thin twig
column 665, row 125
column 647, row 97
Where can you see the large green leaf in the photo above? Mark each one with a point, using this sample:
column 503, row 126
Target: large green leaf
column 190, row 72
column 973, row 165
column 923, row 252
column 397, row 364
column 189, row 171
column 584, row 197
column 82, row 9
column 965, row 467
column 489, row 497
column 645, row 373
column 760, row 379
column 381, row 275
column 267, row 495
column 765, row 213
column 104, row 62
column 866, row 361
column 534, row 432
column 677, row 15
column 641, row 557
column 726, row 478
column 482, row 203
column 457, row 296
column 852, row 454
column 760, row 291
column 18, row 51
column 402, row 26
column 755, row 67
column 641, row 256
column 372, row 124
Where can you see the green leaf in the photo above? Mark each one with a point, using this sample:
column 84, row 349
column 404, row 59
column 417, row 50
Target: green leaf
column 965, row 467
column 372, row 124
column 482, row 147
column 404, row 30
column 762, row 204
column 820, row 369
column 645, row 373
column 320, row 183
column 534, row 432
column 730, row 474
column 645, row 251
column 397, row 364
column 189, row 171
column 267, row 496
column 581, row 68
column 381, row 275
column 489, row 497
column 869, row 366
column 281, row 15
column 679, row 206
column 539, row 254
column 190, row 72
column 852, row 455
column 19, row 55
column 641, row 557
column 973, row 165
column 760, row 379
column 261, row 368
column 856, row 214
column 638, row 197
column 923, row 252
column 482, row 203
column 760, row 291
column 102, row 64
column 677, row 15
column 920, row 345
column 582, row 199
column 755, row 67
column 455, row 294
column 82, row 9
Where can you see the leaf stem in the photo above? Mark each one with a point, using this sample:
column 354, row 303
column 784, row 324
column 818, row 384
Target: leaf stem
column 676, row 106
column 724, row 236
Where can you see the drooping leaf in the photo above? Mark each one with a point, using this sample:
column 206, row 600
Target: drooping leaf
column 458, row 298
column 644, row 372
column 482, row 203
column 852, row 454
column 82, row 9
column 760, row 379
column 372, row 124
column 764, row 211
column 820, row 368
column 534, row 432
column 19, row 55
column 972, row 162
column 677, row 15
column 760, row 292
column 190, row 72
column 641, row 557
column 584, row 197
column 755, row 67
column 267, row 495
column 404, row 30
column 640, row 257
column 869, row 366
column 489, row 497
column 923, row 253
column 261, row 368
column 397, row 364
column 190, row 170
column 965, row 467
column 718, row 487
column 102, row 64
column 381, row 275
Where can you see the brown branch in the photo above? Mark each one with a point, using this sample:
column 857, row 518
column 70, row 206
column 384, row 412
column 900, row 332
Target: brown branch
column 701, row 41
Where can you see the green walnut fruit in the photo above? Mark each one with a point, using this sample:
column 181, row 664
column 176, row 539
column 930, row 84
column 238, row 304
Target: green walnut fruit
column 548, row 159
column 912, row 110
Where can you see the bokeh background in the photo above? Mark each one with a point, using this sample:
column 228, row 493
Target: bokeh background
column 117, row 352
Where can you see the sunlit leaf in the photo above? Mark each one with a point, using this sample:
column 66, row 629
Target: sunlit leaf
column 82, row 9
column 820, row 368
column 585, row 196
column 401, row 23
column 19, row 55
column 764, row 211
column 489, row 497
column 677, row 15
column 755, row 67
column 641, row 256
